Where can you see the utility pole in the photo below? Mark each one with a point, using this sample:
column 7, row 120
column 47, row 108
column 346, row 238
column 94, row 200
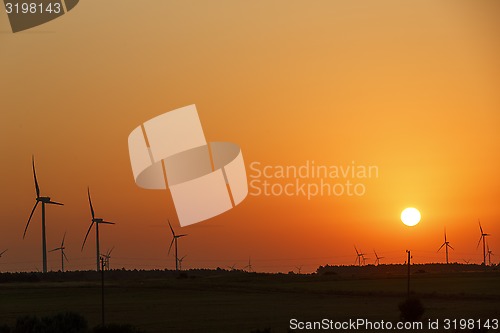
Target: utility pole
column 409, row 263
column 102, row 290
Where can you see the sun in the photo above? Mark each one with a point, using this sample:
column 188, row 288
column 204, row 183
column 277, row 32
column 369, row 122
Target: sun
column 410, row 216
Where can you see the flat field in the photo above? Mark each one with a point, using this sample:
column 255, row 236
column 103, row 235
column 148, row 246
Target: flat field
column 221, row 301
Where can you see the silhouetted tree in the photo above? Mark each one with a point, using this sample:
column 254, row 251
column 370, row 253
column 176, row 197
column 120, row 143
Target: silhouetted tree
column 411, row 309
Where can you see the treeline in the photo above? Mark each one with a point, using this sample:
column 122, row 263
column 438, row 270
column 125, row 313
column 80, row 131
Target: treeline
column 68, row 322
column 401, row 269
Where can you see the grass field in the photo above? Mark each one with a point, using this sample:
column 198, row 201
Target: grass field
column 243, row 302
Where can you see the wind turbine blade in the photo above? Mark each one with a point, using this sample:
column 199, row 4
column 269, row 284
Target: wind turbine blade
column 356, row 250
column 3, row 252
column 29, row 220
column 441, row 247
column 451, row 247
column 171, row 229
column 181, row 235
column 171, row 243
column 106, row 222
column 64, row 255
column 62, row 244
column 37, row 188
column 55, row 249
column 90, row 203
column 445, row 235
column 55, row 203
column 480, row 227
column 109, row 253
column 88, row 231
column 480, row 238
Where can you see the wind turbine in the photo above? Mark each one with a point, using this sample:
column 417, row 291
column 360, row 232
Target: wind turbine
column 299, row 269
column 95, row 221
column 249, row 266
column 232, row 268
column 43, row 200
column 447, row 245
column 174, row 240
column 483, row 236
column 490, row 253
column 63, row 255
column 180, row 262
column 377, row 261
column 359, row 257
column 106, row 257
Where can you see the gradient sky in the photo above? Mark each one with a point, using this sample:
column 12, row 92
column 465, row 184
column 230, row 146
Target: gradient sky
column 412, row 88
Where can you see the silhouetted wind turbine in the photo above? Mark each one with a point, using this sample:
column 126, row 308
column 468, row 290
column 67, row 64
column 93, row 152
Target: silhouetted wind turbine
column 447, row 245
column 483, row 236
column 249, row 266
column 63, row 255
column 490, row 253
column 359, row 257
column 95, row 221
column 174, row 240
column 232, row 268
column 106, row 257
column 299, row 268
column 43, row 200
column 377, row 261
column 466, row 261
column 180, row 262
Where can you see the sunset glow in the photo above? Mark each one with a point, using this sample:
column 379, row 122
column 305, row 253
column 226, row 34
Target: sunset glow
column 345, row 112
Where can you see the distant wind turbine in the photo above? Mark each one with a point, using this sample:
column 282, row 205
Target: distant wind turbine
column 106, row 257
column 174, row 240
column 249, row 266
column 95, row 221
column 360, row 256
column 63, row 255
column 377, row 261
column 232, row 268
column 180, row 262
column 483, row 238
column 299, row 269
column 490, row 253
column 466, row 261
column 43, row 200
column 447, row 245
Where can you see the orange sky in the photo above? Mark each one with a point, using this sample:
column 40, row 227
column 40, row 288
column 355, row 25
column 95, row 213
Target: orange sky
column 410, row 88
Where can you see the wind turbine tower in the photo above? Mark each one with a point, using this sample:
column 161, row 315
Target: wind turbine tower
column 174, row 240
column 377, row 260
column 44, row 201
column 447, row 245
column 63, row 255
column 483, row 238
column 95, row 221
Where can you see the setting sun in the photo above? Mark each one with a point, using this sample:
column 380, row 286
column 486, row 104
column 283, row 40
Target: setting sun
column 410, row 216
